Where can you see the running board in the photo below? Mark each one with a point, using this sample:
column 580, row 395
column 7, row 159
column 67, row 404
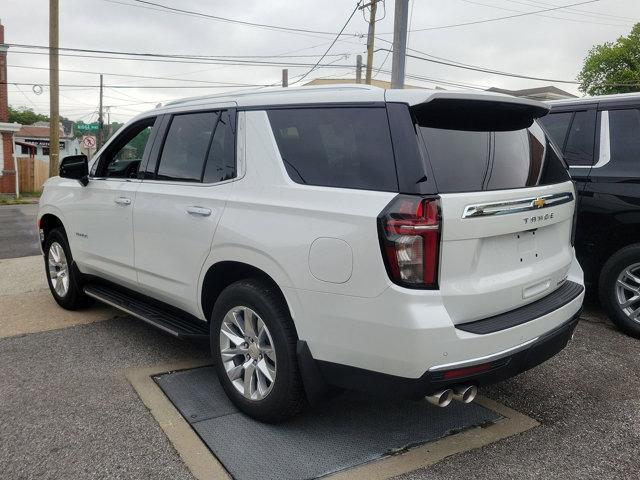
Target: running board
column 181, row 326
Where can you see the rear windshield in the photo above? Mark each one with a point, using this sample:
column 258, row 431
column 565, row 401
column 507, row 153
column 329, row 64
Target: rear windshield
column 347, row 147
column 470, row 161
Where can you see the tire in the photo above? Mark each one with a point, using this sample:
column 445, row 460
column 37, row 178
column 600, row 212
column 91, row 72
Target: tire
column 274, row 351
column 66, row 287
column 613, row 294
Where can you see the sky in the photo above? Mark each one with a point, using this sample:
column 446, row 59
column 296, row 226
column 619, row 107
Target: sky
column 549, row 45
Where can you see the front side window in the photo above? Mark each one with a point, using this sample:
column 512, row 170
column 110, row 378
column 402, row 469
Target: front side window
column 581, row 139
column 345, row 147
column 123, row 157
column 624, row 131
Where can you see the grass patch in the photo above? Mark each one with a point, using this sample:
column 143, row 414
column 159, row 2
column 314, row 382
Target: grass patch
column 25, row 198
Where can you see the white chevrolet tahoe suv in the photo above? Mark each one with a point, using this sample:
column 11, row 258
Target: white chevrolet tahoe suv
column 405, row 242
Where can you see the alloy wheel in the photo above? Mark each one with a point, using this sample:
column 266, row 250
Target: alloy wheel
column 247, row 352
column 58, row 269
column 628, row 292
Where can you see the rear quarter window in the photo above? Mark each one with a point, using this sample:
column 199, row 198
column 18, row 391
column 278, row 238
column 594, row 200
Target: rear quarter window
column 624, row 131
column 345, row 147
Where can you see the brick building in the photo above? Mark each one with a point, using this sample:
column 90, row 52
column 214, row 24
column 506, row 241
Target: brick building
column 7, row 162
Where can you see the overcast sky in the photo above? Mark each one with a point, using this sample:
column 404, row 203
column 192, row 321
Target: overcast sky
column 548, row 45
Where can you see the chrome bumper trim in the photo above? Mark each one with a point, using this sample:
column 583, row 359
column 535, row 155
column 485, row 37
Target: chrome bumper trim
column 485, row 359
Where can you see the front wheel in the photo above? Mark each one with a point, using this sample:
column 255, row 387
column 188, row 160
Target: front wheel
column 62, row 277
column 253, row 343
column 620, row 289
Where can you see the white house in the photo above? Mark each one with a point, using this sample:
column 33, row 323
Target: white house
column 35, row 139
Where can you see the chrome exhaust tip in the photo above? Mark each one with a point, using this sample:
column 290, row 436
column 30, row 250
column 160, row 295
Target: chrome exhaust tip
column 440, row 399
column 465, row 393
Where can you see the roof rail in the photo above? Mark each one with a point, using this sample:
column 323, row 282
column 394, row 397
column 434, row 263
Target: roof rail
column 267, row 90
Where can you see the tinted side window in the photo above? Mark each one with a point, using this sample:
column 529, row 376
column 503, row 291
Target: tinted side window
column 185, row 147
column 557, row 125
column 468, row 161
column 221, row 160
column 123, row 158
column 581, row 139
column 624, row 131
column 348, row 147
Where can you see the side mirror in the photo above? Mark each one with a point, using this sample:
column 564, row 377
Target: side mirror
column 76, row 167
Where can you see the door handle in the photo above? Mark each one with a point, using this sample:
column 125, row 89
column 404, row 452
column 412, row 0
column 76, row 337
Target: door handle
column 123, row 201
column 201, row 211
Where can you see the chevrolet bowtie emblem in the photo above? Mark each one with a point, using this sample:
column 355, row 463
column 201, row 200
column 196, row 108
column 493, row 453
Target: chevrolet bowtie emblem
column 539, row 202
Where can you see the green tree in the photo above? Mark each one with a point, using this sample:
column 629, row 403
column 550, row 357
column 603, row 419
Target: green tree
column 613, row 67
column 25, row 116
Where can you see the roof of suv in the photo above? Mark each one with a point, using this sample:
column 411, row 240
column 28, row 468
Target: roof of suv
column 620, row 98
column 337, row 94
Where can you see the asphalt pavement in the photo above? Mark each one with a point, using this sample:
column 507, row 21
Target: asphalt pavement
column 18, row 232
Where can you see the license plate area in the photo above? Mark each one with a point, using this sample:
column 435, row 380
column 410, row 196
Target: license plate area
column 527, row 250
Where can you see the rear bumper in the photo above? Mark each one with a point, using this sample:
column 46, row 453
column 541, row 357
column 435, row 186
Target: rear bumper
column 500, row 368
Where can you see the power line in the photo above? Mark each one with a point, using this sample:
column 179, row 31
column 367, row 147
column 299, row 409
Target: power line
column 578, row 11
column 493, row 72
column 541, row 15
column 195, row 62
column 167, row 55
column 330, row 46
column 466, row 66
column 496, row 19
column 126, row 86
column 231, row 20
column 137, row 76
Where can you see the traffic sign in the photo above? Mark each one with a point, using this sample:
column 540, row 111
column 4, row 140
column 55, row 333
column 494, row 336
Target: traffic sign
column 87, row 127
column 89, row 142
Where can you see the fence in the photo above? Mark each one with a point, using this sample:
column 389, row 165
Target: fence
column 32, row 174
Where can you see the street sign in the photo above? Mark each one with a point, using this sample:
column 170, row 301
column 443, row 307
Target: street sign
column 87, row 127
column 89, row 142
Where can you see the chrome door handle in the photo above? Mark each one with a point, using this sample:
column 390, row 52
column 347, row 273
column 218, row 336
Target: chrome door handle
column 202, row 211
column 123, row 201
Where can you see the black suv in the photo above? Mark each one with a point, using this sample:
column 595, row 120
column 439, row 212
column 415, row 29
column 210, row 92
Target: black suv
column 600, row 139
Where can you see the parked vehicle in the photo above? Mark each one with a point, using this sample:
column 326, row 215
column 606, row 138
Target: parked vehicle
column 600, row 138
column 405, row 242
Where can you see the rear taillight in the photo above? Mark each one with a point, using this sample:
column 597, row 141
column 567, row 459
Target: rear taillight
column 409, row 229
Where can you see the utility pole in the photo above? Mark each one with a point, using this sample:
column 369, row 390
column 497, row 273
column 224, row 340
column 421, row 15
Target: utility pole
column 100, row 118
column 285, row 77
column 54, row 82
column 359, row 69
column 401, row 17
column 108, row 110
column 370, row 37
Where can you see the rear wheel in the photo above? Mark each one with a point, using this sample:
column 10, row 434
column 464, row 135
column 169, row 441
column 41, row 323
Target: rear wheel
column 253, row 343
column 63, row 279
column 620, row 289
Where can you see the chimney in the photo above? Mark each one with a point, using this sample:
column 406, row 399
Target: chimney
column 4, row 95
